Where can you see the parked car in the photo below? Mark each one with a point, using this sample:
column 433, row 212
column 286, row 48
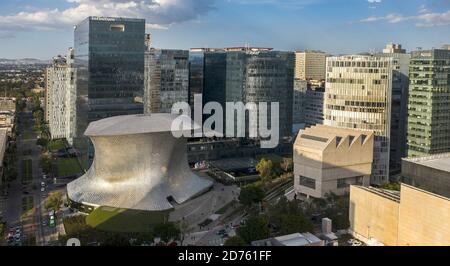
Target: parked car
column 43, row 184
column 42, row 189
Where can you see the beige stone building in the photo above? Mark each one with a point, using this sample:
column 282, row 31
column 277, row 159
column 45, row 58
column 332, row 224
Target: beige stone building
column 329, row 159
column 358, row 95
column 412, row 217
column 310, row 65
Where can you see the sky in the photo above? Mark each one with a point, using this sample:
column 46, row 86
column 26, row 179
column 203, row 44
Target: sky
column 44, row 28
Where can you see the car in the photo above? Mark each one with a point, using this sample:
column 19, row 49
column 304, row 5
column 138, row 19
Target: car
column 44, row 176
column 43, row 184
column 42, row 189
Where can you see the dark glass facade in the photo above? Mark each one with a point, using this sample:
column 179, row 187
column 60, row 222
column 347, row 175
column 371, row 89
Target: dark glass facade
column 109, row 56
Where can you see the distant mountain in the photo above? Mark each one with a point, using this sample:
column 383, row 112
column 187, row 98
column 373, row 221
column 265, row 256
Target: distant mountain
column 23, row 61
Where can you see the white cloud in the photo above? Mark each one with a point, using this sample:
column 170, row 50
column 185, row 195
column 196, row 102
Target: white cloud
column 158, row 13
column 423, row 19
column 374, row 1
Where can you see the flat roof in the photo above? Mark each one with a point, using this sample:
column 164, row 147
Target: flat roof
column 139, row 124
column 439, row 161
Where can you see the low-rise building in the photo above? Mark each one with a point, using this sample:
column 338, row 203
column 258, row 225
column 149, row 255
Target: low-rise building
column 431, row 173
column 292, row 240
column 411, row 217
column 7, row 113
column 329, row 159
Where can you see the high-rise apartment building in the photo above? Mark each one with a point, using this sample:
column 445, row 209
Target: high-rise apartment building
column 358, row 96
column 109, row 57
column 310, row 65
column 428, row 108
column 399, row 103
column 60, row 97
column 166, row 79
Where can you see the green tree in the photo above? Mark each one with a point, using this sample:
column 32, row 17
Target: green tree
column 116, row 240
column 392, row 186
column 287, row 164
column 265, row 169
column 54, row 201
column 46, row 163
column 167, row 232
column 256, row 228
column 235, row 241
column 251, row 194
column 295, row 223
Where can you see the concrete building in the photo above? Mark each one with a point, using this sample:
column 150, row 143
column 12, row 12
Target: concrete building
column 310, row 65
column 166, row 79
column 428, row 109
column 411, row 217
column 60, row 97
column 399, row 104
column 329, row 159
column 431, row 173
column 358, row 95
column 8, row 114
column 292, row 240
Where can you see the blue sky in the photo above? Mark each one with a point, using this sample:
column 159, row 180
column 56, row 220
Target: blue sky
column 44, row 28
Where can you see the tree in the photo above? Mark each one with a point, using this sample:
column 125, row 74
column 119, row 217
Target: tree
column 167, row 232
column 116, row 240
column 392, row 186
column 235, row 241
column 42, row 142
column 46, row 163
column 265, row 169
column 295, row 223
column 54, row 201
column 256, row 228
column 251, row 194
column 287, row 164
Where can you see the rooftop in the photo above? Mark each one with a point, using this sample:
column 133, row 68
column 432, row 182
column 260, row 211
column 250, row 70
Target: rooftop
column 139, row 124
column 439, row 161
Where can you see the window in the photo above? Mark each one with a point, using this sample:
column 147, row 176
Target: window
column 118, row 28
column 341, row 183
column 307, row 182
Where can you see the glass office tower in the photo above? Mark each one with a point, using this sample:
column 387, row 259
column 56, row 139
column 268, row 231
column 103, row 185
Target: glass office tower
column 109, row 56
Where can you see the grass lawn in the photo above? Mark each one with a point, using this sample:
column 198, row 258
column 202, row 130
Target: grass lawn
column 56, row 145
column 27, row 135
column 27, row 176
column 129, row 221
column 27, row 204
column 67, row 167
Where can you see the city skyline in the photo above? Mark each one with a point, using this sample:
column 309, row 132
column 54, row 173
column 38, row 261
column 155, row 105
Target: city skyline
column 334, row 26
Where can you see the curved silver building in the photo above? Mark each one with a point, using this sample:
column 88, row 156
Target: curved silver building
column 138, row 165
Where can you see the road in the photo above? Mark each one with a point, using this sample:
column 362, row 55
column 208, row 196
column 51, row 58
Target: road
column 27, row 149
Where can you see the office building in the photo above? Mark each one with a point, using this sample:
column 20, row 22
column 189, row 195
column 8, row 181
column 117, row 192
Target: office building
column 166, row 79
column 60, row 97
column 428, row 130
column 315, row 99
column 329, row 159
column 196, row 68
column 430, row 173
column 299, row 105
column 251, row 75
column 358, row 96
column 109, row 57
column 3, row 146
column 411, row 217
column 399, row 104
column 310, row 65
